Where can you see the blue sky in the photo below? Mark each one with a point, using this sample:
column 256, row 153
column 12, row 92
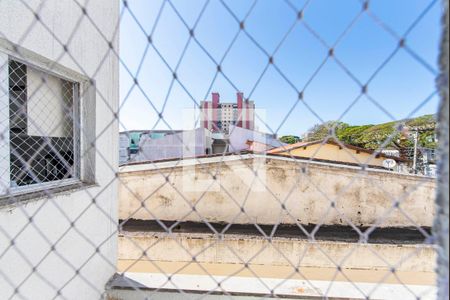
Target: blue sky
column 399, row 88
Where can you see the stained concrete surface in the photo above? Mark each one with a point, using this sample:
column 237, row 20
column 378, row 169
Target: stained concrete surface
column 286, row 191
column 337, row 233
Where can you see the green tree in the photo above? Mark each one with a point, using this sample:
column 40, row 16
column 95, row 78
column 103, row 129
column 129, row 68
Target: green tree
column 290, row 139
column 353, row 135
column 322, row 131
column 374, row 136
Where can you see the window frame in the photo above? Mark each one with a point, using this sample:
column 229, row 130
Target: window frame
column 83, row 117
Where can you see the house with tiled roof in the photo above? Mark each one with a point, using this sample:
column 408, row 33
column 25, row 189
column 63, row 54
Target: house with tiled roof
column 335, row 151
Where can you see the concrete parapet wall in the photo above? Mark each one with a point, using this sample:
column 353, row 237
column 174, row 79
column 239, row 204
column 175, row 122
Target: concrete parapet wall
column 286, row 191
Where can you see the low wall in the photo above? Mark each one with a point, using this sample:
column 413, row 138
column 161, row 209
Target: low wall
column 285, row 191
column 251, row 265
column 238, row 250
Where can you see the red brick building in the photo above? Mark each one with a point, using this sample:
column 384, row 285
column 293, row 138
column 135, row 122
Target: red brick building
column 218, row 117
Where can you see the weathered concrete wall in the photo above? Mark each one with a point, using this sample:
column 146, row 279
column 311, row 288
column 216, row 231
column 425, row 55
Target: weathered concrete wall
column 240, row 263
column 307, row 191
column 237, row 249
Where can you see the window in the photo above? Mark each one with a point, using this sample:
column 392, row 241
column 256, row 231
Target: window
column 39, row 127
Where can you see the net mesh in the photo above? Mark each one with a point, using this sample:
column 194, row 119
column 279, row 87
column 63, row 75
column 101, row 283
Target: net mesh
column 193, row 214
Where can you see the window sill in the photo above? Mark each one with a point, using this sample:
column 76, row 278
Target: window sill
column 21, row 197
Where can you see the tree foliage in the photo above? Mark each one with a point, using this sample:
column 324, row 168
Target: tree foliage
column 374, row 136
column 322, row 131
column 290, row 139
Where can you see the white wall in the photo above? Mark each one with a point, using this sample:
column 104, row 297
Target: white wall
column 74, row 246
column 239, row 137
column 174, row 145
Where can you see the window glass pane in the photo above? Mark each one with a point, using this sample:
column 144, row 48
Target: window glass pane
column 41, row 126
column 49, row 105
column 17, row 97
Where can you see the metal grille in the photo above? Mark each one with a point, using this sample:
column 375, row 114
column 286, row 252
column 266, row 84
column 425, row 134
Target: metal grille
column 41, row 126
column 233, row 223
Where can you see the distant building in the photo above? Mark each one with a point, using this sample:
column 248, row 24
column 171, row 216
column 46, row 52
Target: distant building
column 391, row 152
column 184, row 144
column 257, row 147
column 241, row 139
column 331, row 151
column 156, row 145
column 129, row 141
column 219, row 117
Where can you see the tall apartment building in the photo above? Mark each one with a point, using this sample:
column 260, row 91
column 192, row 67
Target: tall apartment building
column 218, row 117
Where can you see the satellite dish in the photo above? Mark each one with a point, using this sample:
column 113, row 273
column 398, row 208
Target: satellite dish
column 389, row 163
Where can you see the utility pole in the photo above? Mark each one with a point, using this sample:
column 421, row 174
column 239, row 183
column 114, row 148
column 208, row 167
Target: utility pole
column 416, row 142
column 416, row 135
